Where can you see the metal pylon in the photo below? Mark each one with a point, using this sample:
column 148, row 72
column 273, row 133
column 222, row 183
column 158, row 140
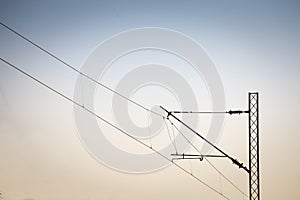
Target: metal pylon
column 253, row 147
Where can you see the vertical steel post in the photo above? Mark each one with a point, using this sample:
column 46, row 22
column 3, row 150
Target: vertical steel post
column 253, row 147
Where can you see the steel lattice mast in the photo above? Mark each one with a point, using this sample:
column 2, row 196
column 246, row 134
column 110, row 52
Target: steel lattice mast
column 254, row 185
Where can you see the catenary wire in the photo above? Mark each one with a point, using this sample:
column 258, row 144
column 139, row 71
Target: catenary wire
column 112, row 125
column 171, row 140
column 76, row 70
column 210, row 163
column 87, row 76
column 234, row 161
column 174, row 137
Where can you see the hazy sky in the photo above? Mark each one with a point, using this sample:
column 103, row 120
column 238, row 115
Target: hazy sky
column 255, row 47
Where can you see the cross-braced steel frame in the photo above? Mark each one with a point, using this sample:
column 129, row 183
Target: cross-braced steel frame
column 253, row 147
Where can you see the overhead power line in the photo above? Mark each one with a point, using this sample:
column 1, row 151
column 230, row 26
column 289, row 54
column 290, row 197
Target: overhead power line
column 112, row 125
column 119, row 94
column 210, row 163
column 76, row 70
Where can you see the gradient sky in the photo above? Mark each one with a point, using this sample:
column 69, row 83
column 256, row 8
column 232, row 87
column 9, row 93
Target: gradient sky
column 255, row 46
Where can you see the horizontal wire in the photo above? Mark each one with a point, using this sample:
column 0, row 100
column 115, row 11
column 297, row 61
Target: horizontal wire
column 230, row 112
column 76, row 70
column 112, row 125
column 210, row 163
column 200, row 112
column 194, row 155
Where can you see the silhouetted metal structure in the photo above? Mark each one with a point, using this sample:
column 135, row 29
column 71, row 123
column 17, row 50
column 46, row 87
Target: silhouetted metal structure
column 254, row 190
column 253, row 169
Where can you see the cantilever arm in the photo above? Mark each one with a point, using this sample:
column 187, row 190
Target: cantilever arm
column 234, row 161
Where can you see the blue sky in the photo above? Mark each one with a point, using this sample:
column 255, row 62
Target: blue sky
column 254, row 45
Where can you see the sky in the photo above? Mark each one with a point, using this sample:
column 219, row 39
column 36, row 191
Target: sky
column 253, row 46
